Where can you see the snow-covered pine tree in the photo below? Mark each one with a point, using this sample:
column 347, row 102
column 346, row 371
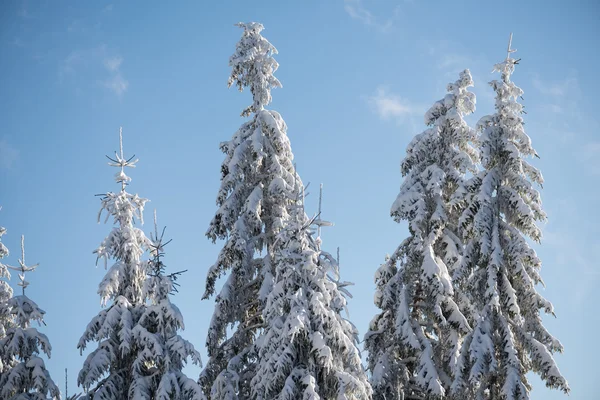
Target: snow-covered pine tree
column 413, row 342
column 5, row 292
column 108, row 371
column 500, row 271
column 257, row 177
column 306, row 350
column 25, row 376
column 163, row 352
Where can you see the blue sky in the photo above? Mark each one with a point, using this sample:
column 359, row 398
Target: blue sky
column 357, row 77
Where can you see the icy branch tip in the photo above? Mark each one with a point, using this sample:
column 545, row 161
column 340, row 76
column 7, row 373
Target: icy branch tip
column 251, row 26
column 509, row 50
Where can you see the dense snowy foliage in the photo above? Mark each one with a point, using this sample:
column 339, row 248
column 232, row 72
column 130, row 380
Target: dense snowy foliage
column 257, row 177
column 500, row 271
column 413, row 342
column 23, row 372
column 459, row 314
column 306, row 350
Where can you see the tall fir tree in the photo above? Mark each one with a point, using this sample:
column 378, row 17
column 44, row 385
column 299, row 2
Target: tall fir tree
column 257, row 181
column 500, row 271
column 163, row 352
column 108, row 372
column 307, row 350
column 25, row 376
column 414, row 340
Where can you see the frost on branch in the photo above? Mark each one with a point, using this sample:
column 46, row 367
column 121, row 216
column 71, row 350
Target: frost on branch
column 257, row 179
column 499, row 272
column 412, row 343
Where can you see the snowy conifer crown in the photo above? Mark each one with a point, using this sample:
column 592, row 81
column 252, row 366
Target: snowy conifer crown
column 253, row 66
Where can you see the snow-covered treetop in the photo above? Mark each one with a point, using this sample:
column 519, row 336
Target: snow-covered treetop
column 458, row 100
column 504, row 144
column 253, row 65
column 24, row 309
column 23, row 268
column 125, row 243
column 159, row 285
column 317, row 220
column 121, row 162
column 3, row 250
column 3, row 253
column 448, row 143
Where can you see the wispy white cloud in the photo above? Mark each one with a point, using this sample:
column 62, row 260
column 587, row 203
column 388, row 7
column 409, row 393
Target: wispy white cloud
column 357, row 10
column 113, row 63
column 80, row 61
column 101, row 63
column 391, row 106
column 117, row 84
column 8, row 154
column 451, row 57
column 567, row 86
column 108, row 8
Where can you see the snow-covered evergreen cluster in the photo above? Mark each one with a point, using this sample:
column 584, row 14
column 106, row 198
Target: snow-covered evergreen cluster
column 459, row 312
column 288, row 338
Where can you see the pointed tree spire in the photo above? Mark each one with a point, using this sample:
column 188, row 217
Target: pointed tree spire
column 121, row 162
column 318, row 221
column 509, row 51
column 23, row 268
column 252, row 65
